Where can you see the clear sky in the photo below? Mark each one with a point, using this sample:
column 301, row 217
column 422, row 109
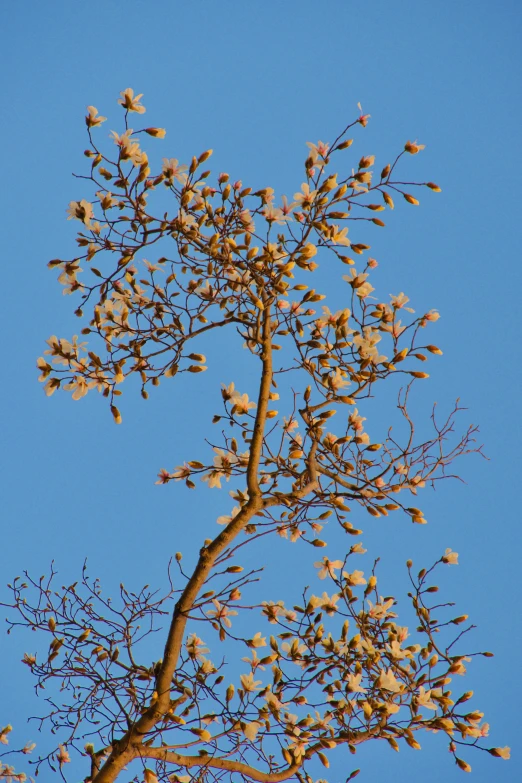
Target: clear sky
column 255, row 81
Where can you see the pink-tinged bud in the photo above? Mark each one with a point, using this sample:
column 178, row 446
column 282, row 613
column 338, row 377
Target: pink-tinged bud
column 372, row 263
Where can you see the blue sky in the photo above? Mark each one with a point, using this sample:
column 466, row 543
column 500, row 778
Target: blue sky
column 255, row 81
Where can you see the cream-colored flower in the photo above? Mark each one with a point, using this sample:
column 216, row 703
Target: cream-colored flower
column 327, row 602
column 225, row 520
column 355, row 421
column 51, row 386
column 388, row 681
column 423, row 699
column 241, row 404
column 452, row 558
column 93, row 119
column 174, row 170
column 131, row 102
column 129, row 148
column 213, row 478
column 79, row 386
column 195, row 646
column 400, row 301
column 395, row 329
column 257, row 641
column 328, row 318
column 337, row 380
column 206, row 291
column 396, row 651
column 106, row 199
column 62, row 756
column 355, row 578
column 228, row 392
column 306, row 197
column 248, row 683
column 354, row 683
column 273, row 610
column 366, row 345
column 181, row 472
column 274, row 214
column 221, row 613
column 318, row 152
column 82, row 211
column 340, row 237
column 224, row 460
column 251, row 729
column 328, row 567
column 381, row 610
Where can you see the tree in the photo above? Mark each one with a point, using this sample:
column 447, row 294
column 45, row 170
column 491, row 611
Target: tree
column 338, row 669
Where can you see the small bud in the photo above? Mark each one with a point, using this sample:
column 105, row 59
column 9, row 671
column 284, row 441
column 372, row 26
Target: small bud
column 158, row 133
column 413, row 148
column 459, row 620
column 388, row 199
column 116, row 414
column 410, row 199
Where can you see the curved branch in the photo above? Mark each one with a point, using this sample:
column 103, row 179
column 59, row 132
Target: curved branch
column 232, row 766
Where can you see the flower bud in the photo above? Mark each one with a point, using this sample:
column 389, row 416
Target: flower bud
column 159, row 133
column 116, row 414
column 410, row 199
column 388, row 199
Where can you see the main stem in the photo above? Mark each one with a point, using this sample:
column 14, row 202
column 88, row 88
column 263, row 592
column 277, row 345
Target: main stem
column 127, row 748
